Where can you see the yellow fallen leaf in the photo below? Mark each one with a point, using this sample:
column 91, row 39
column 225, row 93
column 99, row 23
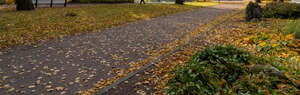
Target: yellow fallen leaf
column 290, row 36
column 274, row 45
column 246, row 39
column 262, row 44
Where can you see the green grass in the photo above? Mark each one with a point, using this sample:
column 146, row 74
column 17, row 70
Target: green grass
column 293, row 26
column 42, row 24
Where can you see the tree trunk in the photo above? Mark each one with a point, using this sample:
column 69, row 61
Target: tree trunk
column 76, row 1
column 24, row 5
column 179, row 2
column 258, row 1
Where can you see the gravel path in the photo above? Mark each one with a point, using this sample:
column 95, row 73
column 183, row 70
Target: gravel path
column 70, row 64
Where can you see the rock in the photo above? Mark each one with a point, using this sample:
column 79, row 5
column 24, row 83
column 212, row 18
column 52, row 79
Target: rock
column 269, row 70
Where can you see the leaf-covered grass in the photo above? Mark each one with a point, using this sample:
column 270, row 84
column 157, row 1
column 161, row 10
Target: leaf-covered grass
column 293, row 27
column 28, row 27
column 203, row 4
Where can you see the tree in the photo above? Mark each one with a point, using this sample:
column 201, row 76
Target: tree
column 24, row 5
column 179, row 2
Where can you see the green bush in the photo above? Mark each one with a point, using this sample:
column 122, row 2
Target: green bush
column 210, row 71
column 228, row 70
column 281, row 10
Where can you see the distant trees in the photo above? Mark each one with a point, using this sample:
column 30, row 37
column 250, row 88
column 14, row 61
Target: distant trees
column 24, row 5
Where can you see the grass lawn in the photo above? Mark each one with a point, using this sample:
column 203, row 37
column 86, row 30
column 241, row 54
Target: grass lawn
column 42, row 24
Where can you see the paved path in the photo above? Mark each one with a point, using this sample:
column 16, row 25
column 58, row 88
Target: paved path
column 70, row 64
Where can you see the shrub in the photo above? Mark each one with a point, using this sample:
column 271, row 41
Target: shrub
column 228, row 71
column 253, row 11
column 210, row 71
column 281, row 10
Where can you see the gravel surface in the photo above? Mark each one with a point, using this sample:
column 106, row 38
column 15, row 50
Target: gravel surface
column 73, row 63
